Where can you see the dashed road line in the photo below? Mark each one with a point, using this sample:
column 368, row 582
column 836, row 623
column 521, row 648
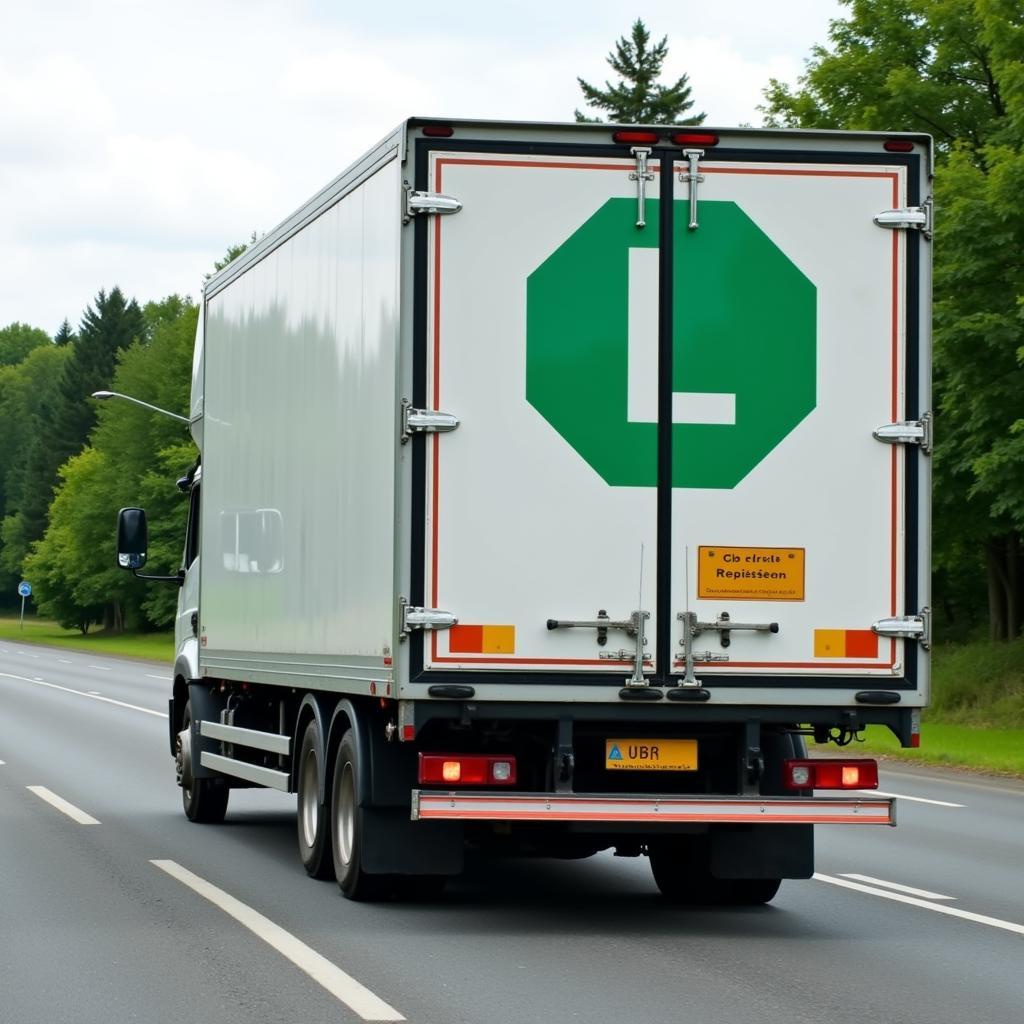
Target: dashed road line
column 923, row 893
column 100, row 668
column 163, row 679
column 83, row 693
column 356, row 996
column 913, row 901
column 73, row 812
column 914, row 799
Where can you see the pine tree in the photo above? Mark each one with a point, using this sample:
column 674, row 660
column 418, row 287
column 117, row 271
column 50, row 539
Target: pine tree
column 65, row 335
column 637, row 98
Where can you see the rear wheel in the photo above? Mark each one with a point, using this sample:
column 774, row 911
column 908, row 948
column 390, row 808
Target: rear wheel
column 347, row 825
column 313, row 826
column 205, row 800
column 682, row 873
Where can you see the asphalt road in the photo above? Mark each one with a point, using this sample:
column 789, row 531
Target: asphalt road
column 131, row 913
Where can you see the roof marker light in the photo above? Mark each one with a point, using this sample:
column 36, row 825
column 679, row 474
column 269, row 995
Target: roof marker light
column 695, row 139
column 636, row 138
column 899, row 146
column 438, row 131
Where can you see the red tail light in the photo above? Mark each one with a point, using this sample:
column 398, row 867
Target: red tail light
column 899, row 146
column 438, row 131
column 695, row 139
column 637, row 138
column 467, row 769
column 830, row 773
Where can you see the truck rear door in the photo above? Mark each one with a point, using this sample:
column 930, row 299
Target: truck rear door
column 667, row 417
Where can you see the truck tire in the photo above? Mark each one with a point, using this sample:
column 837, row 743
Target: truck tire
column 312, row 825
column 205, row 800
column 682, row 874
column 347, row 825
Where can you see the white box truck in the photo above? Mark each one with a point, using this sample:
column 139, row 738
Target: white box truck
column 556, row 482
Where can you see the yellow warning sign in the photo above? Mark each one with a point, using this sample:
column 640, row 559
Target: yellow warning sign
column 750, row 574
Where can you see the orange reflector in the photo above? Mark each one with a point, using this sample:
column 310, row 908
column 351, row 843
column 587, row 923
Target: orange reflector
column 845, row 643
column 467, row 639
column 899, row 146
column 468, row 769
column 695, row 139
column 830, row 773
column 636, row 138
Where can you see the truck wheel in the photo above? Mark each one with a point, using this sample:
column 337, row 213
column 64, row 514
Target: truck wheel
column 205, row 800
column 347, row 826
column 313, row 828
column 682, row 874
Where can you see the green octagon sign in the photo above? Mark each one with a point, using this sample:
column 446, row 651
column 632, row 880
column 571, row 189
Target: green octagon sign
column 745, row 325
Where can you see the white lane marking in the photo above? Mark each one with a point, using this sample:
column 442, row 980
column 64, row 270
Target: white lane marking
column 923, row 893
column 342, row 986
column 939, row 908
column 915, row 799
column 3, row 762
column 62, row 805
column 93, row 693
column 100, row 668
column 64, row 661
column 163, row 679
column 83, row 693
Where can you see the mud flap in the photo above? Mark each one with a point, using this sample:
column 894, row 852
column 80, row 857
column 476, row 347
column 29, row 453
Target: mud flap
column 395, row 845
column 762, row 851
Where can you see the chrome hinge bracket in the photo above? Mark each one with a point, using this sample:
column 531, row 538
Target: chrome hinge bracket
column 918, row 218
column 917, row 432
column 641, row 176
column 412, row 617
column 424, row 421
column 907, row 627
column 428, row 202
column 694, row 178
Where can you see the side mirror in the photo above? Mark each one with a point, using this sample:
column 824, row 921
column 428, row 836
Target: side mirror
column 132, row 538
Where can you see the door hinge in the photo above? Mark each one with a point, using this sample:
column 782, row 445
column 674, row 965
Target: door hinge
column 428, row 202
column 918, row 218
column 641, row 176
column 907, row 627
column 424, row 421
column 412, row 617
column 910, row 432
column 694, row 178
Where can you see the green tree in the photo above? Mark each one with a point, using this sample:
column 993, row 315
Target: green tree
column 637, row 98
column 68, row 414
column 65, row 335
column 955, row 69
column 17, row 340
column 134, row 457
column 25, row 391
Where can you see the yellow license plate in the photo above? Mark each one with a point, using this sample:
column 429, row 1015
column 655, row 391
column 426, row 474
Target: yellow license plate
column 651, row 755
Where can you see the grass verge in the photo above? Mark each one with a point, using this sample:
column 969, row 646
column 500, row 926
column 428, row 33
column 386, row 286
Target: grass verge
column 152, row 646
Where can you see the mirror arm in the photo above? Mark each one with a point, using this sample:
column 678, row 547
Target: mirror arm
column 178, row 577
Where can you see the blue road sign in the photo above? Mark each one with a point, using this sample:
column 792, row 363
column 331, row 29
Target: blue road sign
column 25, row 589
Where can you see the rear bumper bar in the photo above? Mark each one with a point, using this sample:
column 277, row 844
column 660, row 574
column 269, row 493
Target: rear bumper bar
column 479, row 806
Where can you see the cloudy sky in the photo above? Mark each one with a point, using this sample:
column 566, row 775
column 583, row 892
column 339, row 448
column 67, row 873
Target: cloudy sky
column 139, row 139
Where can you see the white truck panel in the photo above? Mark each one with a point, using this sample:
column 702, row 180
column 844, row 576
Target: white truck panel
column 299, row 454
column 521, row 529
